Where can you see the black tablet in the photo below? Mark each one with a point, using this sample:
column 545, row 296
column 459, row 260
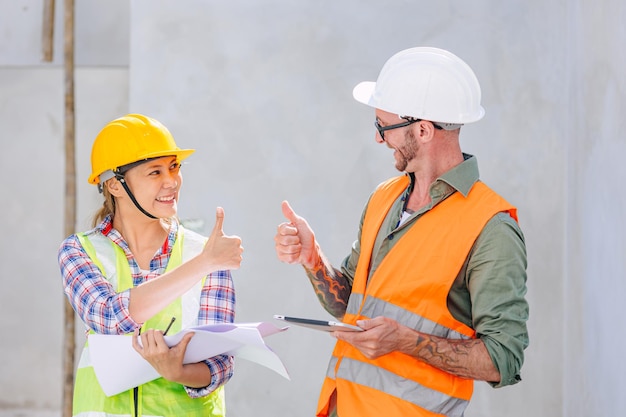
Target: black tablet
column 324, row 325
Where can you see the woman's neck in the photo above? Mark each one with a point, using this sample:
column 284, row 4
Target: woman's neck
column 144, row 237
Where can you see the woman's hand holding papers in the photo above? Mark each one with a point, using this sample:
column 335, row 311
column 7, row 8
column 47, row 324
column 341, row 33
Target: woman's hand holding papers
column 168, row 362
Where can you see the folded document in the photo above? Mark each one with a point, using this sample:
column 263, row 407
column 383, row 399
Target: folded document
column 119, row 367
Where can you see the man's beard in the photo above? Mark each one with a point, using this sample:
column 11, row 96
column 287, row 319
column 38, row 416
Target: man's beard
column 406, row 152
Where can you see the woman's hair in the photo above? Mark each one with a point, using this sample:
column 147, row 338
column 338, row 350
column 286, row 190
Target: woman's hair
column 108, row 207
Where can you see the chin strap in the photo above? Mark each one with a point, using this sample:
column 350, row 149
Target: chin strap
column 120, row 178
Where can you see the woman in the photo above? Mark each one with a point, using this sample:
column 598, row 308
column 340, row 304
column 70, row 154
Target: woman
column 138, row 268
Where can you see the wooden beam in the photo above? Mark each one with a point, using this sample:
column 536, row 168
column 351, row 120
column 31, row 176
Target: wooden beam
column 70, row 200
column 47, row 33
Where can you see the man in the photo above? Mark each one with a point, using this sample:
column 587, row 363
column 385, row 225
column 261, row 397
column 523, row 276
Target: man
column 437, row 276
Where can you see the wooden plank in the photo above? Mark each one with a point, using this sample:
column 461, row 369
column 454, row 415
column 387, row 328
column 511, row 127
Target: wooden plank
column 47, row 33
column 69, row 338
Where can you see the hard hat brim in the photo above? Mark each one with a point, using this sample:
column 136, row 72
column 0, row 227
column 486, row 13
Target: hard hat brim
column 363, row 92
column 180, row 155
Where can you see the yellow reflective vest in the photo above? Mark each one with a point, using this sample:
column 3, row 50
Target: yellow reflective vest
column 159, row 397
column 411, row 286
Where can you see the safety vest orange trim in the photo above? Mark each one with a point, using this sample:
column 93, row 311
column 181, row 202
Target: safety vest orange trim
column 415, row 294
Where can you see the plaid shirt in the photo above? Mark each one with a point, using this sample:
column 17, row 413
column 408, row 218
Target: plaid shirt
column 105, row 311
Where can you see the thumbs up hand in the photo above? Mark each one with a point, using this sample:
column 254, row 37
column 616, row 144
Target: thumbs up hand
column 223, row 252
column 295, row 240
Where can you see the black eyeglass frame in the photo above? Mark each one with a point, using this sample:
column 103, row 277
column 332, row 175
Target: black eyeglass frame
column 409, row 121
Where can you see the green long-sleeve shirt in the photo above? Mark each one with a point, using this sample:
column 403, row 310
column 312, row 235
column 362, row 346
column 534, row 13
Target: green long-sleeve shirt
column 489, row 291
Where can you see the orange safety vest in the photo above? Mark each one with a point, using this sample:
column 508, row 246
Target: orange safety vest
column 411, row 286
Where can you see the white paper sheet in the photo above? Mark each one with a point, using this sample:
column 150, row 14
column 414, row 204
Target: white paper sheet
column 119, row 367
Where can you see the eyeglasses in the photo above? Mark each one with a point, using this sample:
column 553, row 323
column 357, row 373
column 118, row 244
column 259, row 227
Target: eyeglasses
column 409, row 121
column 383, row 129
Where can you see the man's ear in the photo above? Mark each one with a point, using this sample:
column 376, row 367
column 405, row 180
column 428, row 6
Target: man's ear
column 426, row 131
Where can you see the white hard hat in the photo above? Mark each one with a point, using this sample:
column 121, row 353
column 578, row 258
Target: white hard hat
column 425, row 83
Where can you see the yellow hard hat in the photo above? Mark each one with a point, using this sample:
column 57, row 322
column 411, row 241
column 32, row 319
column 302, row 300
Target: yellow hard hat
column 129, row 139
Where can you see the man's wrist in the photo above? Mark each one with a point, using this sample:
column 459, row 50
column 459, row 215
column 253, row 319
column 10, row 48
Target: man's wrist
column 315, row 262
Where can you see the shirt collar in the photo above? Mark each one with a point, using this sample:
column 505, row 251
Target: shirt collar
column 106, row 228
column 463, row 176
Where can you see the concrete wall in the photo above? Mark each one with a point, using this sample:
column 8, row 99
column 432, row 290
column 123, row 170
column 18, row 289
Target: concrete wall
column 594, row 269
column 262, row 90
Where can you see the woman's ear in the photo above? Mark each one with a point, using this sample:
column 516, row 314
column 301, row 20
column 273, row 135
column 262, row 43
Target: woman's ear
column 114, row 187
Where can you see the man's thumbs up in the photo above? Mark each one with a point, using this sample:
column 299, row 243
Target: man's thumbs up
column 295, row 240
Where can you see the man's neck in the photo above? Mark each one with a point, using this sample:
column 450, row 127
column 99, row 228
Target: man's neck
column 425, row 177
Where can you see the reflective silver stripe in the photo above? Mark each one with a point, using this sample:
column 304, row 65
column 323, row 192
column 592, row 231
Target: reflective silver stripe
column 193, row 244
column 330, row 371
column 392, row 384
column 379, row 379
column 354, row 303
column 106, row 256
column 375, row 307
column 85, row 359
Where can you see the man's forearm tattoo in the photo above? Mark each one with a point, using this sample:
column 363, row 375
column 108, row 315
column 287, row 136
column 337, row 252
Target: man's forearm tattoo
column 331, row 287
column 453, row 356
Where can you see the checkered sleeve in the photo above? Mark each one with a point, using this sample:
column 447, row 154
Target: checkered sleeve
column 96, row 302
column 217, row 305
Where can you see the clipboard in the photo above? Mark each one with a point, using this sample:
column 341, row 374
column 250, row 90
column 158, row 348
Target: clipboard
column 323, row 325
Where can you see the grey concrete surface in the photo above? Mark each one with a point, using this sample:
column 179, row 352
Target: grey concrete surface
column 262, row 90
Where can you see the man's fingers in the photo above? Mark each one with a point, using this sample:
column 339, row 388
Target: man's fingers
column 366, row 324
column 288, row 212
column 283, row 231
